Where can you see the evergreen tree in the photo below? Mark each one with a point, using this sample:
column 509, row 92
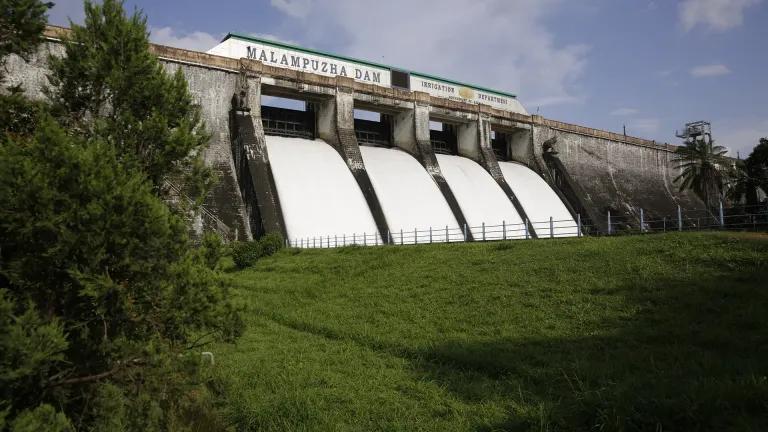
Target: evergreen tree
column 757, row 164
column 101, row 283
column 111, row 86
column 751, row 175
column 104, row 302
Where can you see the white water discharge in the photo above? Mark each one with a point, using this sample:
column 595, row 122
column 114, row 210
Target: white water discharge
column 539, row 201
column 319, row 197
column 409, row 197
column 481, row 199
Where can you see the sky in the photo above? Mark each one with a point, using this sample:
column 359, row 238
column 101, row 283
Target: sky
column 648, row 65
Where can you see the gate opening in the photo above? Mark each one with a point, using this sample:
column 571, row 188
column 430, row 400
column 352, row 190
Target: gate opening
column 373, row 128
column 500, row 145
column 443, row 137
column 511, row 143
column 287, row 117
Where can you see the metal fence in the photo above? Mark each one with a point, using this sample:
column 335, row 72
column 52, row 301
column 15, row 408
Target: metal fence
column 484, row 232
column 733, row 219
column 742, row 218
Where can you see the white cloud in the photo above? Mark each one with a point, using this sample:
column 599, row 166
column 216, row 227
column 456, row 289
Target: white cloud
column 294, row 8
column 717, row 15
column 623, row 111
column 496, row 43
column 712, row 70
column 196, row 41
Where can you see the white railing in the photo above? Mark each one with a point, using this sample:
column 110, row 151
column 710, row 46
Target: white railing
column 484, row 232
column 720, row 218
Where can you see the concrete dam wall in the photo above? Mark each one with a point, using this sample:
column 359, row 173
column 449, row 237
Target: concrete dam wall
column 321, row 173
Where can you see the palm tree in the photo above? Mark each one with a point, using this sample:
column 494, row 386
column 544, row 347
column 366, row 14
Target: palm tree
column 705, row 169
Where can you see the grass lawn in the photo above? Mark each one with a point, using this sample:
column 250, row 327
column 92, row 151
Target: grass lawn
column 658, row 332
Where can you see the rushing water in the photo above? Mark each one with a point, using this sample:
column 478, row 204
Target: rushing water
column 539, row 201
column 481, row 199
column 319, row 197
column 409, row 197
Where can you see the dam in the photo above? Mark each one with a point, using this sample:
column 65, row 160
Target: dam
column 431, row 160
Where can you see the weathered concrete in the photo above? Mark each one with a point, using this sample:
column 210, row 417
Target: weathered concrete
column 615, row 176
column 212, row 90
column 32, row 76
column 336, row 125
column 251, row 160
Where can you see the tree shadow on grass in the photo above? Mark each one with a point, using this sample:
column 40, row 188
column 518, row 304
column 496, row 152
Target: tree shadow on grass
column 695, row 357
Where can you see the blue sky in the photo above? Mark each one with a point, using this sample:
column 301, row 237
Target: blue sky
column 649, row 65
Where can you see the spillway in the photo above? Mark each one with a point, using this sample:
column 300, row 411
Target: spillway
column 409, row 197
column 481, row 199
column 539, row 201
column 318, row 194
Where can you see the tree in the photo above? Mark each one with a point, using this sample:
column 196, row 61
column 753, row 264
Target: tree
column 110, row 86
column 705, row 169
column 104, row 303
column 757, row 164
column 21, row 27
column 751, row 175
column 95, row 266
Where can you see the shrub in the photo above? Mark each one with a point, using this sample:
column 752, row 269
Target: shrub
column 245, row 254
column 271, row 243
column 212, row 249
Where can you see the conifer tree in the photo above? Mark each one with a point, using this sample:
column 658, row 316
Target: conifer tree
column 104, row 302
column 111, row 86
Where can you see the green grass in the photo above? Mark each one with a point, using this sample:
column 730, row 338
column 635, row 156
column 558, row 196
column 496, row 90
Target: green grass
column 662, row 332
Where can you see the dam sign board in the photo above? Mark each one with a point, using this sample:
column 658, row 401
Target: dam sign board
column 278, row 56
column 286, row 56
column 463, row 93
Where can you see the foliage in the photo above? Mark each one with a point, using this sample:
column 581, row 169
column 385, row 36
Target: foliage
column 43, row 418
column 18, row 115
column 757, row 165
column 87, row 244
column 705, row 170
column 658, row 332
column 21, row 27
column 213, row 249
column 751, row 174
column 112, row 87
column 271, row 243
column 245, row 254
column 104, row 303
